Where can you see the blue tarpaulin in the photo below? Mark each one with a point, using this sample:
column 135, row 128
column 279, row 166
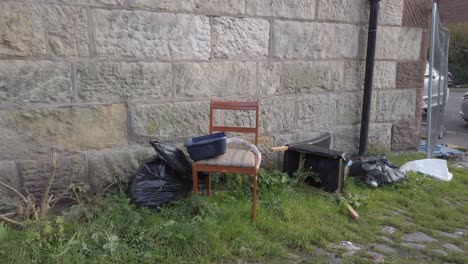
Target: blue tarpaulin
column 440, row 151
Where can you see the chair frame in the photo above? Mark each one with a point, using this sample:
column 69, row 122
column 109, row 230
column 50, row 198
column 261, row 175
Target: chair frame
column 239, row 106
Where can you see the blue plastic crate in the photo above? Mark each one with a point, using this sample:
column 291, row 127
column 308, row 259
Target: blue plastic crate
column 206, row 147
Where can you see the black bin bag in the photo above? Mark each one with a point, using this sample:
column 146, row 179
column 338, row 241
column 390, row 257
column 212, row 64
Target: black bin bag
column 376, row 171
column 164, row 178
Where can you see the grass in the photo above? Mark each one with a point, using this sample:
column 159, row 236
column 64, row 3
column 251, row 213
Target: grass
column 290, row 219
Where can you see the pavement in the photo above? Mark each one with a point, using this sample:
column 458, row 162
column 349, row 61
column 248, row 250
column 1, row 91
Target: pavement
column 456, row 128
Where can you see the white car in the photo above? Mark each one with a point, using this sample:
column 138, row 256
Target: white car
column 464, row 107
column 436, row 79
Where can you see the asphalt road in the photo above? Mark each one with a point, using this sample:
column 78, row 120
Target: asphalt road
column 456, row 128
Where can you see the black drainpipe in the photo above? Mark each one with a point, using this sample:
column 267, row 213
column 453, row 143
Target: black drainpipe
column 370, row 57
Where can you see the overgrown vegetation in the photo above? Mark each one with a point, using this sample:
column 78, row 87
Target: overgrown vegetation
column 290, row 218
column 458, row 53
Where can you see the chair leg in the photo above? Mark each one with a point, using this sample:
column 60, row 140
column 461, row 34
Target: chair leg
column 254, row 198
column 209, row 184
column 195, row 178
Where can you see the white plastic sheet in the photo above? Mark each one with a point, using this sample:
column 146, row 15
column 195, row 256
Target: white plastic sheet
column 436, row 168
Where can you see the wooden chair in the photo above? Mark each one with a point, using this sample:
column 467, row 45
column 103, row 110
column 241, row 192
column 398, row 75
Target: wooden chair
column 234, row 160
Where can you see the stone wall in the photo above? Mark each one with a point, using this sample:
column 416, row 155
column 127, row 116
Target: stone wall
column 95, row 79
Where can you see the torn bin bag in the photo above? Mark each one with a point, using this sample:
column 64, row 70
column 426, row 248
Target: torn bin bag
column 376, row 171
column 164, row 178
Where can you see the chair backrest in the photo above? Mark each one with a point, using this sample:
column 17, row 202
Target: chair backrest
column 235, row 106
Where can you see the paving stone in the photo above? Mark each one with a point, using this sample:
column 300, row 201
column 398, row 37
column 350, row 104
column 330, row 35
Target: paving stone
column 414, row 246
column 447, row 235
column 142, row 34
column 240, row 37
column 375, row 257
column 452, row 247
column 386, row 240
column 384, row 249
column 418, row 237
column 440, row 252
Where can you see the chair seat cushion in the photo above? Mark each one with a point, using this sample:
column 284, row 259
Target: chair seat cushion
column 232, row 158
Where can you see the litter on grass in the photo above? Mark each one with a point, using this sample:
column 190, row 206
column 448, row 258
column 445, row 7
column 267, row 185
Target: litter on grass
column 436, row 168
column 440, row 151
column 376, row 171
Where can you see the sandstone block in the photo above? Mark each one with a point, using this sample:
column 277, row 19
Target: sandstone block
column 215, row 7
column 24, row 82
column 391, row 12
column 293, row 39
column 395, row 105
column 32, row 133
column 169, row 121
column 141, row 34
column 315, row 111
column 342, row 10
column 8, row 175
column 36, row 173
column 265, row 143
column 269, row 77
column 21, row 29
column 405, row 135
column 282, row 8
column 384, row 75
column 67, row 30
column 122, row 81
column 398, row 43
column 277, row 114
column 215, row 79
column 317, row 76
column 240, row 37
column 348, row 108
column 113, row 166
column 410, row 74
column 91, row 2
column 347, row 138
column 380, row 136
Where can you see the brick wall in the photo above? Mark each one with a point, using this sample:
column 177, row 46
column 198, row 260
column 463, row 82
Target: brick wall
column 95, row 79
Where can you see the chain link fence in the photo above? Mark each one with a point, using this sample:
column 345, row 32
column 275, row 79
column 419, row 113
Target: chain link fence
column 436, row 79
